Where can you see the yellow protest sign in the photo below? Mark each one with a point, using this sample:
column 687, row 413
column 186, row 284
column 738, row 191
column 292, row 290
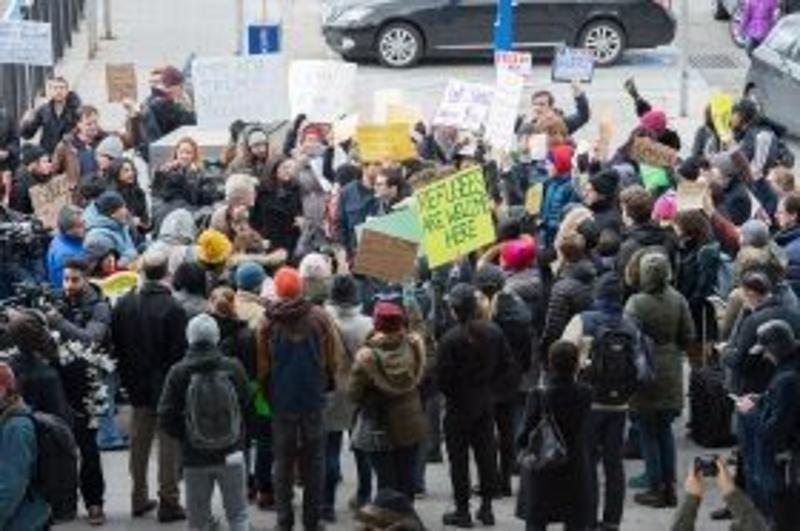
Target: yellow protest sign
column 403, row 114
column 118, row 284
column 456, row 216
column 721, row 110
column 385, row 142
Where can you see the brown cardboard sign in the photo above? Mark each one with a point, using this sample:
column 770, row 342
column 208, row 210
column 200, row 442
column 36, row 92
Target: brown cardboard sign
column 385, row 257
column 653, row 153
column 690, row 194
column 49, row 198
column 121, row 82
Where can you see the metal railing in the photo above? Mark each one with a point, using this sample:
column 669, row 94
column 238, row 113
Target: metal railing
column 19, row 84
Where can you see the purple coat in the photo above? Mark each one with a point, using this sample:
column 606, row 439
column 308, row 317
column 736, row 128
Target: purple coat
column 758, row 17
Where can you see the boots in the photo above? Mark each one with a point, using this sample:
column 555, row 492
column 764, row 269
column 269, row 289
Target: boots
column 458, row 518
column 485, row 514
column 658, row 498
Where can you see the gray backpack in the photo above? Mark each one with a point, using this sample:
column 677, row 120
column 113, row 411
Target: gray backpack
column 213, row 415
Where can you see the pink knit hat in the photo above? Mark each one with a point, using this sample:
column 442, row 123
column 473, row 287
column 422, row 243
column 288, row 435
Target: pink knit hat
column 654, row 121
column 519, row 254
column 665, row 207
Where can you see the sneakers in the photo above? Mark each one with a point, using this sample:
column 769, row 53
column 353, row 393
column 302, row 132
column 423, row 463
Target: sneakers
column 485, row 516
column 96, row 515
column 148, row 507
column 460, row 519
column 170, row 513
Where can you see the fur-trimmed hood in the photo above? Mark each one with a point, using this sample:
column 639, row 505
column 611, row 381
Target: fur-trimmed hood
column 394, row 362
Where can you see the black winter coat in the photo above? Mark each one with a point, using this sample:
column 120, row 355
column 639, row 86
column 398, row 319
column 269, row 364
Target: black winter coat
column 40, row 385
column 571, row 294
column 20, row 199
column 54, row 126
column 148, row 329
column 9, row 141
column 645, row 235
column 275, row 212
column 736, row 204
column 779, row 409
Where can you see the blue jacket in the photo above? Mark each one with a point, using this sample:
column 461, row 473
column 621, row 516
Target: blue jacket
column 109, row 232
column 557, row 193
column 61, row 248
column 789, row 240
column 21, row 509
column 356, row 202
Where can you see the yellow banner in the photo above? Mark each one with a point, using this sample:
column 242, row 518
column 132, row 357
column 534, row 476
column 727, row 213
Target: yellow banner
column 385, row 142
column 721, row 111
column 456, row 218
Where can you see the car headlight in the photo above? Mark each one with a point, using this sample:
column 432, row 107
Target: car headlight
column 351, row 16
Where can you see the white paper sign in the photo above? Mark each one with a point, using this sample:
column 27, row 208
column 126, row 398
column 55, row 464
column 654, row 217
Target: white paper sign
column 503, row 112
column 381, row 101
column 322, row 90
column 251, row 88
column 520, row 63
column 26, row 43
column 464, row 105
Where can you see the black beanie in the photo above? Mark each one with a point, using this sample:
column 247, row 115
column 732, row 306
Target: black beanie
column 747, row 109
column 109, row 202
column 344, row 291
column 489, row 279
column 605, row 182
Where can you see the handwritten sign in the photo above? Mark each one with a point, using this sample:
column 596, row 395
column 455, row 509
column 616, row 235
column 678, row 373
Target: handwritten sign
column 464, row 105
column 322, row 90
column 456, row 216
column 690, row 194
column 503, row 112
column 251, row 88
column 650, row 152
column 402, row 113
column 385, row 257
column 49, row 198
column 121, row 82
column 381, row 100
column 572, row 64
column 345, row 128
column 384, row 142
column 519, row 63
column 26, row 43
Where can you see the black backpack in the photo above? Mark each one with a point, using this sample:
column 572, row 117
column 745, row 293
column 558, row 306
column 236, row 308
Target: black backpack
column 56, row 475
column 612, row 370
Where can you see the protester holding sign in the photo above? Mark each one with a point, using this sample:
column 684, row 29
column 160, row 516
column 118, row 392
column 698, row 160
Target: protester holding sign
column 55, row 118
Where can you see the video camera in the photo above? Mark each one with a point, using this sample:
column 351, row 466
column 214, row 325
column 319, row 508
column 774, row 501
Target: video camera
column 27, row 238
column 30, row 296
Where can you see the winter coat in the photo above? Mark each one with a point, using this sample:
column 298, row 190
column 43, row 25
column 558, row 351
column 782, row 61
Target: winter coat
column 356, row 203
column 645, row 235
column 696, row 277
column 354, row 328
column 148, row 329
column 275, row 212
column 315, row 192
column 606, row 216
column 249, row 307
column 386, row 377
column 561, row 494
column 191, row 303
column 528, row 285
column 135, row 200
column 557, row 192
column 9, row 141
column 758, row 17
column 745, row 514
column 21, row 507
column 779, row 410
column 40, row 385
column 176, row 237
column 663, row 315
column 20, row 199
column 162, row 116
column 789, row 240
column 172, row 405
column 107, row 231
column 736, row 204
column 706, row 142
column 62, row 247
column 54, row 126
column 512, row 315
column 86, row 319
column 570, row 295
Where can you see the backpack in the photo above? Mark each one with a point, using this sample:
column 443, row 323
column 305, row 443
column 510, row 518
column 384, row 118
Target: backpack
column 613, row 372
column 213, row 415
column 56, row 474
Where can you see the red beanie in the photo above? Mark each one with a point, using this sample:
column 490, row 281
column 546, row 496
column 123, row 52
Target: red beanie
column 311, row 130
column 561, row 157
column 7, row 379
column 517, row 255
column 388, row 318
column 654, row 121
column 288, row 284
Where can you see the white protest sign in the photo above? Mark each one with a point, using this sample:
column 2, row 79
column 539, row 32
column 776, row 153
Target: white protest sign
column 381, row 101
column 322, row 90
column 573, row 64
column 464, row 105
column 26, row 43
column 251, row 88
column 503, row 112
column 520, row 63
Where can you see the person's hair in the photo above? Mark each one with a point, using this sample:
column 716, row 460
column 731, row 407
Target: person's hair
column 608, row 243
column 563, row 358
column 68, row 216
column 784, row 178
column 191, row 278
column 222, row 301
column 76, row 264
column 552, row 125
column 394, row 178
column 637, row 203
column 239, row 185
column 155, row 265
column 198, row 156
column 551, row 101
column 791, row 204
column 58, row 79
column 87, row 111
column 116, row 169
column 694, row 225
column 572, row 247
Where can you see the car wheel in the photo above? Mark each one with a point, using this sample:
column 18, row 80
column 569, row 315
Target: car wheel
column 720, row 13
column 734, row 27
column 399, row 45
column 605, row 39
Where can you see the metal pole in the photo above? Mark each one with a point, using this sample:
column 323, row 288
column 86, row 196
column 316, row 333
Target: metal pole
column 91, row 27
column 107, row 19
column 684, row 103
column 239, row 26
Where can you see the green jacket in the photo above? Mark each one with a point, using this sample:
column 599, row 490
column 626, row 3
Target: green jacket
column 745, row 515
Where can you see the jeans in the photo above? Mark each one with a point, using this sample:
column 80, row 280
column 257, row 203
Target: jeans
column 92, row 484
column 395, row 469
column 200, row 483
column 143, row 430
column 364, row 472
column 298, row 439
column 460, row 436
column 607, row 434
column 658, row 446
column 333, row 467
column 108, row 433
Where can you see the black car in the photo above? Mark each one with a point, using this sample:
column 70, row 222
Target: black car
column 401, row 32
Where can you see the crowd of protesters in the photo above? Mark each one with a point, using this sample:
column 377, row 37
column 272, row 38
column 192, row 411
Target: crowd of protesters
column 255, row 357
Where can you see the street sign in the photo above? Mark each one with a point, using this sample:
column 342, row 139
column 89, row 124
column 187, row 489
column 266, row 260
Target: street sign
column 263, row 39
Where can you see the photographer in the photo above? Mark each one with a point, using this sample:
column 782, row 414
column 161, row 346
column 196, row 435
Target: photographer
column 22, row 245
column 745, row 515
column 85, row 315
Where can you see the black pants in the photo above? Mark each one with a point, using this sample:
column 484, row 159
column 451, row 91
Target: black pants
column 92, row 484
column 460, row 435
column 395, row 469
column 504, row 420
column 607, row 434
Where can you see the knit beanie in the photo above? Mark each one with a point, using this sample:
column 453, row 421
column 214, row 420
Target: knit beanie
column 654, row 121
column 250, row 276
column 111, row 146
column 213, row 247
column 109, row 202
column 754, row 233
column 171, row 77
column 489, row 279
column 388, row 317
column 519, row 254
column 776, row 337
column 605, row 182
column 257, row 136
column 315, row 266
column 7, row 379
column 202, row 329
column 463, row 301
column 344, row 291
column 665, row 207
column 561, row 158
column 288, row 283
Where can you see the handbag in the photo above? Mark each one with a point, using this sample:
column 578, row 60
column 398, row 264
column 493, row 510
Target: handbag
column 546, row 448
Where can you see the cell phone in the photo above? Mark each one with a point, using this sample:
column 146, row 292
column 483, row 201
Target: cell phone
column 734, row 397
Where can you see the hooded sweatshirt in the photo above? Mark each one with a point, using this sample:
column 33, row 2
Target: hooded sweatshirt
column 107, row 231
column 176, row 236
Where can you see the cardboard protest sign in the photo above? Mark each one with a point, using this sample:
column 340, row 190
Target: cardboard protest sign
column 455, row 214
column 385, row 257
column 250, row 88
column 572, row 64
column 121, row 82
column 653, row 153
column 519, row 63
column 690, row 194
column 381, row 100
column 503, row 112
column 322, row 90
column 24, row 42
column 49, row 198
column 345, row 128
column 721, row 111
column 384, row 142
column 464, row 105
column 403, row 113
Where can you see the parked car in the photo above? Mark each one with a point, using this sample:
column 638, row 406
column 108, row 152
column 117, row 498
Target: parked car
column 773, row 79
column 400, row 33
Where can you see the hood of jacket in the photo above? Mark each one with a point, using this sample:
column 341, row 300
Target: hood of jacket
column 395, row 361
column 526, row 284
column 202, row 356
column 95, row 220
column 178, row 227
column 288, row 312
column 648, row 234
column 583, row 271
column 654, row 273
column 510, row 309
column 787, row 236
